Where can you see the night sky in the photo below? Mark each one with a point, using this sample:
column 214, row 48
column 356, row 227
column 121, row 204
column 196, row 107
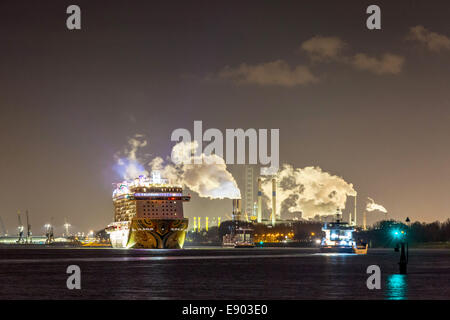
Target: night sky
column 71, row 99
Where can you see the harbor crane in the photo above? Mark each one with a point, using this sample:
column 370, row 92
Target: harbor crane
column 5, row 232
column 66, row 227
column 49, row 233
column 20, row 228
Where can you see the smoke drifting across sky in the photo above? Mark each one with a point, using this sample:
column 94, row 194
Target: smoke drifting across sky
column 209, row 179
column 309, row 190
column 69, row 99
column 128, row 165
column 372, row 206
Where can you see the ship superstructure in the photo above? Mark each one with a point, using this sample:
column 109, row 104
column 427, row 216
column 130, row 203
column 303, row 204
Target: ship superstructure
column 148, row 213
column 338, row 237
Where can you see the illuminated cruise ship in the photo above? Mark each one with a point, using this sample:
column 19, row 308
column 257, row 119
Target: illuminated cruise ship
column 148, row 214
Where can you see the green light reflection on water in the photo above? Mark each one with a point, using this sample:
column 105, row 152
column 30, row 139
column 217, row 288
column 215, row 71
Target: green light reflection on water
column 396, row 287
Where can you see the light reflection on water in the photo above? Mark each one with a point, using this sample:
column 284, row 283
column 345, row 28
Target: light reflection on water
column 153, row 258
column 276, row 274
column 396, row 287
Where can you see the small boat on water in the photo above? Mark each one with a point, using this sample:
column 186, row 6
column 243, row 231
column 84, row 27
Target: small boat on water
column 339, row 239
column 239, row 238
column 244, row 244
column 360, row 249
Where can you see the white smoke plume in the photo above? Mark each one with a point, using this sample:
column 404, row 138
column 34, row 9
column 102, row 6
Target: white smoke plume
column 372, row 206
column 128, row 164
column 210, row 178
column 309, row 190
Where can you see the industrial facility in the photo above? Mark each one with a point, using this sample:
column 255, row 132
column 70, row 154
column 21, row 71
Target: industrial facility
column 25, row 238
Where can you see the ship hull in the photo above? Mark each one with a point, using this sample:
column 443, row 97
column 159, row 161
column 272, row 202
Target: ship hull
column 151, row 234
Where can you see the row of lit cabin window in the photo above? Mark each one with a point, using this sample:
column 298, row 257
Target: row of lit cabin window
column 157, row 190
column 153, row 213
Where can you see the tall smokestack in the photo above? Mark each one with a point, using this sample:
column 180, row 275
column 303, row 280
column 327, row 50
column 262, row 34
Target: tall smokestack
column 355, row 213
column 236, row 214
column 350, row 218
column 259, row 200
column 199, row 224
column 207, row 219
column 364, row 220
column 195, row 223
column 274, row 200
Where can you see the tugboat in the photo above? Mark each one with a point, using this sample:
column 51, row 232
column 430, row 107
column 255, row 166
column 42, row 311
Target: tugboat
column 244, row 240
column 339, row 239
column 239, row 236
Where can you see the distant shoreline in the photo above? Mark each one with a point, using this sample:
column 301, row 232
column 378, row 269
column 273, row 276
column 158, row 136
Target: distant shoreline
column 425, row 245
column 431, row 245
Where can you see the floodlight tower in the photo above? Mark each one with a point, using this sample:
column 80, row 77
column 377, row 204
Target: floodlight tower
column 66, row 227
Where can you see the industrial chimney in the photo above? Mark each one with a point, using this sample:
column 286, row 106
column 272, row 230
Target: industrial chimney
column 259, row 201
column 274, row 200
column 354, row 220
column 365, row 221
column 236, row 214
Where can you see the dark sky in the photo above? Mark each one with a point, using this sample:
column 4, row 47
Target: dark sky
column 70, row 99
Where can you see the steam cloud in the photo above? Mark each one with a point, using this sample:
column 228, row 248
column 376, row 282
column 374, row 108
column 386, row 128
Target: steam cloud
column 128, row 165
column 309, row 190
column 210, row 178
column 372, row 206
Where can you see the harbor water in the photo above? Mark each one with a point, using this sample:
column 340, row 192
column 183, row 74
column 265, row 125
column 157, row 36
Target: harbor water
column 218, row 273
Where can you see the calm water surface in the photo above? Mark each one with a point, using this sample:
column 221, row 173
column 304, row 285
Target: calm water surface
column 216, row 273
